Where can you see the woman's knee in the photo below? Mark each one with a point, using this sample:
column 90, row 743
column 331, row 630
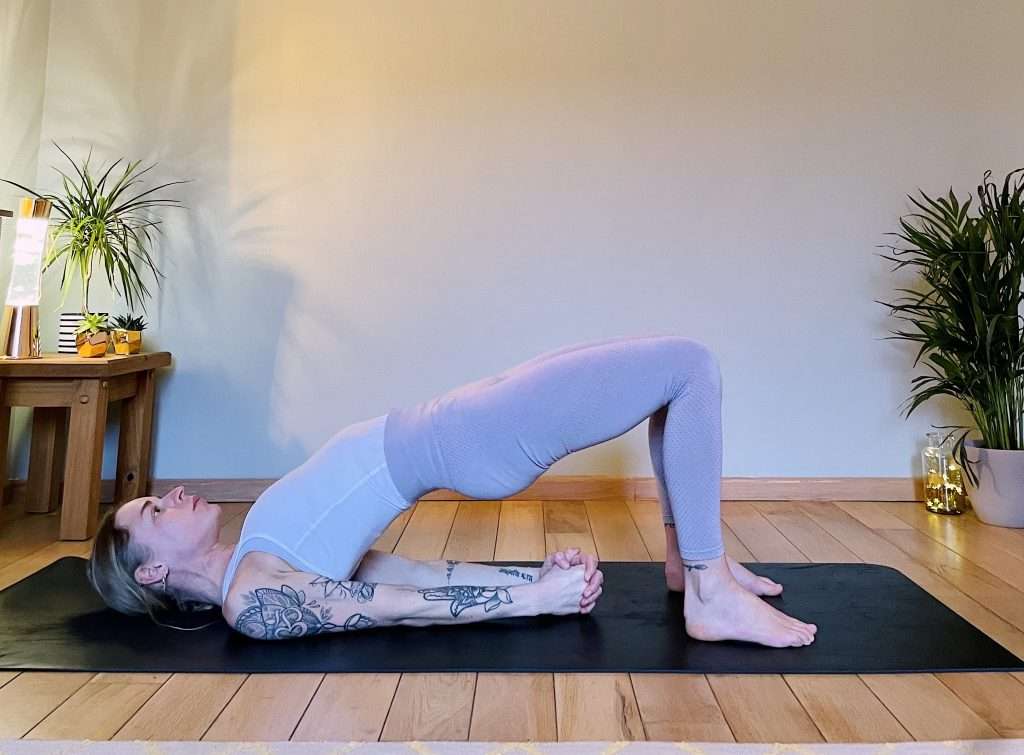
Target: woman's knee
column 695, row 361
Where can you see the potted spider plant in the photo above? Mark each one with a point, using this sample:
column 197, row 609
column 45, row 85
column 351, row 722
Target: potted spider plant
column 972, row 268
column 103, row 226
column 126, row 331
column 92, row 336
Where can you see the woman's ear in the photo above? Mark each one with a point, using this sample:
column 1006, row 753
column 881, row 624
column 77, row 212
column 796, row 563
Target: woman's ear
column 148, row 574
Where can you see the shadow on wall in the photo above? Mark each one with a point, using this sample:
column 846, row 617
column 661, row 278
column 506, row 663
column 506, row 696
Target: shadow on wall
column 217, row 398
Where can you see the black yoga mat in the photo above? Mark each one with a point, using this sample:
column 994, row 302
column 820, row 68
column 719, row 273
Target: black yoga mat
column 871, row 619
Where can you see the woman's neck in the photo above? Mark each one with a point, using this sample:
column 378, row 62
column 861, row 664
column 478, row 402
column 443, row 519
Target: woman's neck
column 203, row 579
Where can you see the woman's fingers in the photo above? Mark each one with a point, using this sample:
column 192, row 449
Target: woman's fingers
column 587, row 603
column 567, row 558
column 574, row 557
column 594, row 583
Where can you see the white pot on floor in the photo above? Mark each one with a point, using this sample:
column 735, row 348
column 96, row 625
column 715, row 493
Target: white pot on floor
column 999, row 497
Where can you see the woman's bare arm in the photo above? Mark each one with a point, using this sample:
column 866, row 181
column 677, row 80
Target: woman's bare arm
column 296, row 604
column 387, row 568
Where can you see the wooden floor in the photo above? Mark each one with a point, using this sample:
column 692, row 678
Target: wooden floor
column 976, row 570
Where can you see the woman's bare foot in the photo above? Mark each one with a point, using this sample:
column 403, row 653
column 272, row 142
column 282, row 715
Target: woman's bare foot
column 717, row 607
column 674, row 570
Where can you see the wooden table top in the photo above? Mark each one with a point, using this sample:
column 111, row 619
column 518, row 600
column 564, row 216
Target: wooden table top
column 53, row 365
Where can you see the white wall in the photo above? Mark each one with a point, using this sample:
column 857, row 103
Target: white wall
column 394, row 198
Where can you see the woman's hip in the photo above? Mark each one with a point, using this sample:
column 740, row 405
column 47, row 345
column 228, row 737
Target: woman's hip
column 497, row 435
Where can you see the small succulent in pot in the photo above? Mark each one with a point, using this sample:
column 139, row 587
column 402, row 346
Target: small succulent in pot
column 127, row 333
column 93, row 335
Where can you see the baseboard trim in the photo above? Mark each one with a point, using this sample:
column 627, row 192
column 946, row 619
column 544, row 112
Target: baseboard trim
column 589, row 487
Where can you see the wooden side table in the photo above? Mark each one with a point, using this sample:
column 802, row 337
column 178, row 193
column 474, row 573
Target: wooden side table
column 52, row 385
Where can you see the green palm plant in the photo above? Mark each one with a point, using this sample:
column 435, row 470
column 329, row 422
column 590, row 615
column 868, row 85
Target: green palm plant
column 105, row 227
column 967, row 318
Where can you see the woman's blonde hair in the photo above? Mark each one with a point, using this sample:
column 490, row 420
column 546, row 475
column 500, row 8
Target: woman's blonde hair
column 111, row 572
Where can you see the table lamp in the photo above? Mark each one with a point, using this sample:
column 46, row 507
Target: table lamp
column 19, row 332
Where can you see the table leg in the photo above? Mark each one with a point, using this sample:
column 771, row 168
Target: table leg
column 46, row 459
column 81, row 504
column 5, row 434
column 135, row 441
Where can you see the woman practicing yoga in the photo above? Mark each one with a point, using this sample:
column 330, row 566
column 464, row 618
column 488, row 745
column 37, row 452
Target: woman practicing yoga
column 302, row 564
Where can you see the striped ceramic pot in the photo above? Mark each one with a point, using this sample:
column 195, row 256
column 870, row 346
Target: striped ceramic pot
column 66, row 340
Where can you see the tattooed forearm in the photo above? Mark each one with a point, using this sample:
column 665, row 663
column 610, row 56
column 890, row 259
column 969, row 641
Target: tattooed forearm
column 361, row 592
column 691, row 567
column 516, row 573
column 462, row 597
column 281, row 614
column 450, row 569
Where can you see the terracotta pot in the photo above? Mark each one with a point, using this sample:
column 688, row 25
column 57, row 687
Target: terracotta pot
column 92, row 344
column 127, row 341
column 999, row 497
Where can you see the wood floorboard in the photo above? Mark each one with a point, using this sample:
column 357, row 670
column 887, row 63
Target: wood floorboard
column 976, row 569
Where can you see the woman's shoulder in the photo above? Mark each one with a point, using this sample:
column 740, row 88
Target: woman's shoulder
column 255, row 569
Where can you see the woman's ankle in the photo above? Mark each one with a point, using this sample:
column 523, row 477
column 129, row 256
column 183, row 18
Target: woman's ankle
column 671, row 545
column 706, row 577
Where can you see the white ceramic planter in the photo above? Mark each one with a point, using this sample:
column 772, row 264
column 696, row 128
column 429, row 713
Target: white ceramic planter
column 999, row 497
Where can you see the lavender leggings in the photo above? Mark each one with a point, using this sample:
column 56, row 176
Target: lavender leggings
column 494, row 437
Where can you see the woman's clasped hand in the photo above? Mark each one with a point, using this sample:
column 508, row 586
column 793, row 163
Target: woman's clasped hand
column 569, row 582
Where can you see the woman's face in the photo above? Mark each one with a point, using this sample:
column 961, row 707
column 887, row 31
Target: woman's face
column 175, row 527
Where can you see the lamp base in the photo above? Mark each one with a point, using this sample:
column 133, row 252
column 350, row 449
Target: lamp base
column 19, row 332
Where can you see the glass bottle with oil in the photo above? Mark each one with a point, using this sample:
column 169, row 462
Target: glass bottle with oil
column 943, row 479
